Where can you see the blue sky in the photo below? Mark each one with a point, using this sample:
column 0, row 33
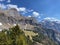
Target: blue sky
column 43, row 8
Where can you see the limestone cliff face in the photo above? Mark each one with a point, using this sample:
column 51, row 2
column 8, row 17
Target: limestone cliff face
column 11, row 17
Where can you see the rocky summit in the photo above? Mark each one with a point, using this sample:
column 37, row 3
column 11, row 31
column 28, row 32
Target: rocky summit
column 12, row 17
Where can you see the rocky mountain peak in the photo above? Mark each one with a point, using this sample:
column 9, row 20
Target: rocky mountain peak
column 12, row 16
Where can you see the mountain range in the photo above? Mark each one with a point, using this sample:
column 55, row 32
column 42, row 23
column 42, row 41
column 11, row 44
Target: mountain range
column 50, row 29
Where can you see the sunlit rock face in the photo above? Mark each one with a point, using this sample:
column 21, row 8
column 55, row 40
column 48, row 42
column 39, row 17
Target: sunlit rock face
column 11, row 17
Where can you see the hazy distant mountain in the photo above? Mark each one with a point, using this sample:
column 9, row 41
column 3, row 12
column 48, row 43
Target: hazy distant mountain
column 51, row 24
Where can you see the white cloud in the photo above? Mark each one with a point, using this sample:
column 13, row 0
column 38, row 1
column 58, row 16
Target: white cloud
column 5, row 0
column 2, row 0
column 9, row 1
column 25, row 10
column 8, row 6
column 12, row 6
column 22, row 9
column 29, row 15
column 2, row 6
column 36, row 14
column 30, row 10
